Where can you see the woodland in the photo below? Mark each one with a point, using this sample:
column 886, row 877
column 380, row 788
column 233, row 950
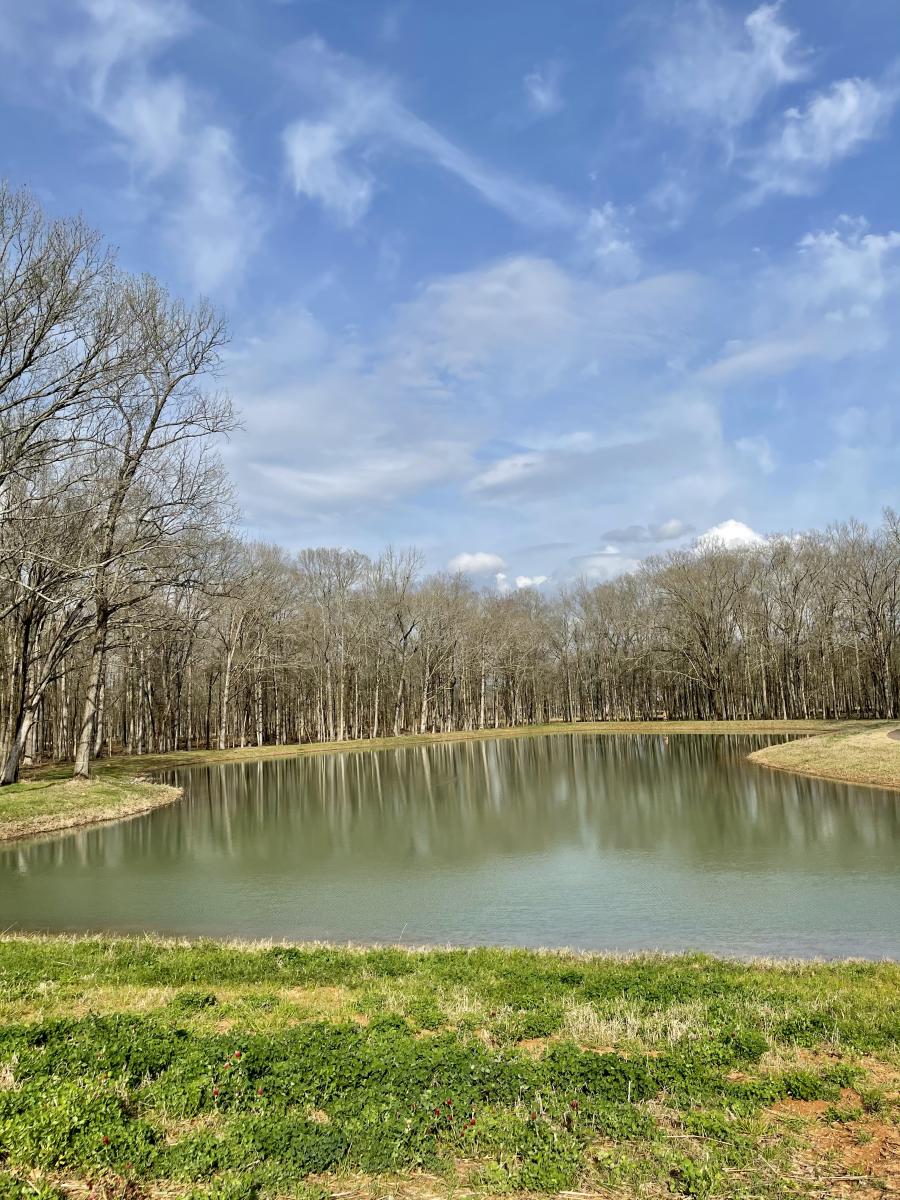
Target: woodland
column 136, row 617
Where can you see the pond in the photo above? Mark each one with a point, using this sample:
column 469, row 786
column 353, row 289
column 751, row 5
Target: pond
column 596, row 842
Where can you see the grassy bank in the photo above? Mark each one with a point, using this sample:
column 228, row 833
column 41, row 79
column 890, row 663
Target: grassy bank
column 37, row 806
column 136, row 1067
column 47, row 799
column 866, row 756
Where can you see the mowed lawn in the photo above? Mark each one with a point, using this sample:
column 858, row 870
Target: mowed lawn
column 139, row 1067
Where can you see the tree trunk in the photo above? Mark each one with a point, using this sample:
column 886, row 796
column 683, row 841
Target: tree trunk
column 89, row 712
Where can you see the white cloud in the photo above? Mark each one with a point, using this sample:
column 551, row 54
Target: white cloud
column 479, row 563
column 601, row 568
column 360, row 115
column 513, row 472
column 530, row 581
column 372, row 474
column 150, row 116
column 667, row 530
column 673, row 197
column 730, row 534
column 526, row 324
column 217, row 226
column 772, row 356
column 632, row 451
column 845, row 271
column 828, row 302
column 834, row 125
column 340, row 427
column 713, row 72
column 104, row 64
column 315, row 153
column 121, row 31
column 608, row 243
column 542, row 89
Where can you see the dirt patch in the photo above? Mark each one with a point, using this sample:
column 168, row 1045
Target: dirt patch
column 807, row 1109
column 881, row 1074
column 534, row 1047
column 858, row 1158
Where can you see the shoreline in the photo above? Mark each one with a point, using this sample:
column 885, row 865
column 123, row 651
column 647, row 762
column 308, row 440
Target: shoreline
column 46, row 826
column 863, row 758
column 759, row 961
column 120, row 787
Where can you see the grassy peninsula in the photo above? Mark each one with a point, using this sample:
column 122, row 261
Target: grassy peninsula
column 141, row 1067
column 862, row 755
column 47, row 799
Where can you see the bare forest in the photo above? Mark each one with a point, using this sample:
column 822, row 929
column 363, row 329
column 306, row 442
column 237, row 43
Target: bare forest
column 133, row 617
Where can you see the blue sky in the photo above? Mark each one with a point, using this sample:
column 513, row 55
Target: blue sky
column 540, row 288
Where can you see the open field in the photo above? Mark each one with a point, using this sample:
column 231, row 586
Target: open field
column 138, row 1067
column 47, row 799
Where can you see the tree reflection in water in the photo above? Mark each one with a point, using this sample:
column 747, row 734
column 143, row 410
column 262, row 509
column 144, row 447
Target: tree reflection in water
column 558, row 839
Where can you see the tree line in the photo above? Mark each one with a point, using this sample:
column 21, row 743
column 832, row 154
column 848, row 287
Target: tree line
column 134, row 618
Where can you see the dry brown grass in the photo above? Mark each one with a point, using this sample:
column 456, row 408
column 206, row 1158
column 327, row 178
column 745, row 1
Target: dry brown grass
column 870, row 757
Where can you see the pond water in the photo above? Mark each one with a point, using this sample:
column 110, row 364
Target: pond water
column 597, row 842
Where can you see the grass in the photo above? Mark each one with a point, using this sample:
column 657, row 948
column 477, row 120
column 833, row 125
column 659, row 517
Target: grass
column 868, row 757
column 143, row 1067
column 47, row 799
column 44, row 805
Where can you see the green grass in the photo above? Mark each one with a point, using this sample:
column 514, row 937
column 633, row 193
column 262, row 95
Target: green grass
column 47, row 803
column 139, row 1066
column 48, row 799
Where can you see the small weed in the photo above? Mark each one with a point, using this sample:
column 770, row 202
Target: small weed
column 843, row 1114
column 192, row 1002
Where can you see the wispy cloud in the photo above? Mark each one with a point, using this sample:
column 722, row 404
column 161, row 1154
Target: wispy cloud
column 713, row 71
column 218, row 223
column 477, row 563
column 542, row 89
column 320, row 171
column 829, row 301
column 330, row 156
column 121, row 31
column 342, row 429
column 833, row 125
column 104, row 54
column 609, row 245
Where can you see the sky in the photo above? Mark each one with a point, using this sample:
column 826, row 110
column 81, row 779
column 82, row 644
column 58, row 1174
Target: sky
column 538, row 288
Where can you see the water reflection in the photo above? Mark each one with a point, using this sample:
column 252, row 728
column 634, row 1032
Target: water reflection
column 569, row 839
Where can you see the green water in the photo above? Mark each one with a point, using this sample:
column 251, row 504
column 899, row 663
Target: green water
column 583, row 841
